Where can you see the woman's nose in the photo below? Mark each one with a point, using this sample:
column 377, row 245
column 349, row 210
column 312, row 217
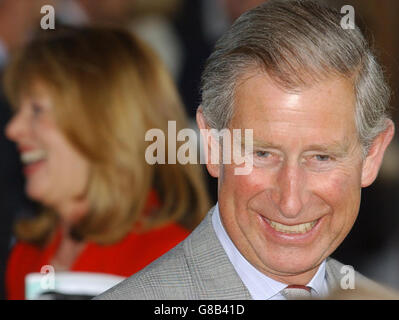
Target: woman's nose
column 16, row 127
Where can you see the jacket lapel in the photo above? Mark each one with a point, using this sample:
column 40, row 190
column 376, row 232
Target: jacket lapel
column 212, row 272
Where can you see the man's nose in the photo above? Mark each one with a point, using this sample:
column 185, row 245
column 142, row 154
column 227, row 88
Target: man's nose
column 289, row 194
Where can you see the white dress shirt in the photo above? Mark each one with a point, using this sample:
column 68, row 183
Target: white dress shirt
column 260, row 286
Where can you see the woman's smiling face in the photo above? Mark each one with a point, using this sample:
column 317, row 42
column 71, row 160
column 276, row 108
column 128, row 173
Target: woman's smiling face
column 55, row 171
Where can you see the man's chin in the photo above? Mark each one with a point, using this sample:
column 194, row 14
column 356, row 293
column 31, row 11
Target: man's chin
column 293, row 269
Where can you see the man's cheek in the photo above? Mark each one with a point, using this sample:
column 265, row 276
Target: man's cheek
column 343, row 195
column 338, row 187
column 249, row 185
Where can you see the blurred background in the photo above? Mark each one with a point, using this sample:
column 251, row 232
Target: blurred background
column 183, row 33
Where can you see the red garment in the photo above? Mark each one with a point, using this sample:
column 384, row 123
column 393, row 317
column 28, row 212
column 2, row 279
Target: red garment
column 125, row 258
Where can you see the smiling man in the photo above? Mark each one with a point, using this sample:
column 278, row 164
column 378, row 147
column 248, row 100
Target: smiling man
column 316, row 100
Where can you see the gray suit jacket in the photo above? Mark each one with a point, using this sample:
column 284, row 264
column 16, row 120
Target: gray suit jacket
column 198, row 268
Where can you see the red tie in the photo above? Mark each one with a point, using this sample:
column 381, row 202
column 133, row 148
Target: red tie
column 294, row 291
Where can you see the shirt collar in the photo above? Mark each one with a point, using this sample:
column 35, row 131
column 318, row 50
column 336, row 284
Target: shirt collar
column 319, row 282
column 260, row 286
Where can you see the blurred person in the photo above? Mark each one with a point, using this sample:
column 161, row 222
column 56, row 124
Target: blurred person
column 95, row 12
column 198, row 25
column 84, row 99
column 317, row 102
column 152, row 21
column 18, row 21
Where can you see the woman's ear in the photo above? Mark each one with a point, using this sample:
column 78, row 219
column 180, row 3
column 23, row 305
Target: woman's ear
column 209, row 144
column 373, row 161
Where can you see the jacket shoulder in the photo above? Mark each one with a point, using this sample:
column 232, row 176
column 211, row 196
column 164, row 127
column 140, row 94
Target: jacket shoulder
column 168, row 277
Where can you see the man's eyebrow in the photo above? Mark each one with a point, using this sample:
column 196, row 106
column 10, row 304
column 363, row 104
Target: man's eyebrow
column 262, row 144
column 338, row 148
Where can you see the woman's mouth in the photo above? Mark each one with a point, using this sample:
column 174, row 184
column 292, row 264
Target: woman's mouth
column 32, row 160
column 29, row 157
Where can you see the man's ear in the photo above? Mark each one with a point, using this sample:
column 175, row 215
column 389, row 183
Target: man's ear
column 373, row 161
column 209, row 141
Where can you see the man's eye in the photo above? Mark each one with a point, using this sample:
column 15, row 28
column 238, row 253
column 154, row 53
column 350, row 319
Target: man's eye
column 323, row 158
column 262, row 154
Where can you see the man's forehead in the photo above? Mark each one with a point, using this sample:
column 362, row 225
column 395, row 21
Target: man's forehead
column 320, row 118
column 257, row 95
column 259, row 74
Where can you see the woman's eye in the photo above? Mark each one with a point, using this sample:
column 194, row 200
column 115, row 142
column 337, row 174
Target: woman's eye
column 36, row 109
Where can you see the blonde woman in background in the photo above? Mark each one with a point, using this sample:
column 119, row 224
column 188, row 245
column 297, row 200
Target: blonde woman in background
column 84, row 99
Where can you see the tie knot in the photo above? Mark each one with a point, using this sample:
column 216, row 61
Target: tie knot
column 295, row 291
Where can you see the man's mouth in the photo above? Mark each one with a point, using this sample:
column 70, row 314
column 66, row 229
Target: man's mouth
column 29, row 157
column 296, row 229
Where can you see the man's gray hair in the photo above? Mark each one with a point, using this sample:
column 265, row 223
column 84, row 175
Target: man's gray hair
column 297, row 43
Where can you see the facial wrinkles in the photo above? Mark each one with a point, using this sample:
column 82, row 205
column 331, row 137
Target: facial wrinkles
column 288, row 110
column 324, row 191
column 265, row 204
column 295, row 127
column 310, row 185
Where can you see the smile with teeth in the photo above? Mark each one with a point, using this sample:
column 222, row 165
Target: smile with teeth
column 299, row 228
column 29, row 157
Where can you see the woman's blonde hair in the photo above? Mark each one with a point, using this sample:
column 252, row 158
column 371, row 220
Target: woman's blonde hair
column 108, row 88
